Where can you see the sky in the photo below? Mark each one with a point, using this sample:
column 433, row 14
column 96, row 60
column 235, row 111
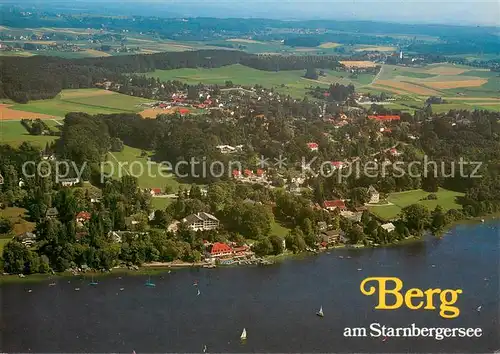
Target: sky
column 456, row 12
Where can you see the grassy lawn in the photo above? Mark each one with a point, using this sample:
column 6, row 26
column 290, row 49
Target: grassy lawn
column 13, row 133
column 92, row 101
column 3, row 242
column 161, row 203
column 16, row 216
column 446, row 199
column 278, row 229
column 131, row 164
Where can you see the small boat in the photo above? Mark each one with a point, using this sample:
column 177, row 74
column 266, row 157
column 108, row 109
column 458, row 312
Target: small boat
column 30, row 290
column 195, row 283
column 482, row 220
column 121, row 289
column 359, row 269
column 93, row 282
column 320, row 312
column 243, row 334
column 77, row 289
column 204, row 349
column 52, row 284
column 149, row 283
column 198, row 294
column 479, row 308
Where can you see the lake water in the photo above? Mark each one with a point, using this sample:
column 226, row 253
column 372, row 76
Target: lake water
column 276, row 304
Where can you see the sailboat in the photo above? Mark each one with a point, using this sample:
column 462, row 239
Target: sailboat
column 93, row 282
column 243, row 334
column 149, row 283
column 204, row 349
column 320, row 312
column 198, row 294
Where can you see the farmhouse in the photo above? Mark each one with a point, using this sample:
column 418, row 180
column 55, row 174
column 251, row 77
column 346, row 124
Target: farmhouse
column 332, row 205
column 201, row 221
column 374, row 195
column 394, row 152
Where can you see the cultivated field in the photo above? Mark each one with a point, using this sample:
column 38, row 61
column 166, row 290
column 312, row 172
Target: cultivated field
column 358, row 63
column 446, row 199
column 379, row 48
column 6, row 113
column 329, row 45
column 91, row 101
column 462, row 87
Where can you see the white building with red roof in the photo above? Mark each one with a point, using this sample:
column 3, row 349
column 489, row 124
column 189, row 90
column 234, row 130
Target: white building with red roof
column 332, row 205
column 313, row 146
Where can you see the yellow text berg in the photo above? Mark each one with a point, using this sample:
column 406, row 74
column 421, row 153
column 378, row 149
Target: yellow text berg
column 414, row 298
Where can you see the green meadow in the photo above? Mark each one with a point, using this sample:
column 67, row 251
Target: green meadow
column 91, row 101
column 445, row 198
column 130, row 162
column 12, row 132
column 288, row 82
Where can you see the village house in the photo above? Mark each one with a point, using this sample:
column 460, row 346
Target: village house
column 83, row 217
column 69, row 182
column 332, row 237
column 220, row 249
column 201, row 221
column 332, row 205
column 228, row 149
column 313, row 146
column 52, row 213
column 338, row 165
column 385, row 118
column 395, row 152
column 389, row 227
column 374, row 195
column 351, row 215
column 28, row 239
column 155, row 192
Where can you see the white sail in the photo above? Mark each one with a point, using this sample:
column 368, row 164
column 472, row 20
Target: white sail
column 199, row 292
column 320, row 312
column 244, row 334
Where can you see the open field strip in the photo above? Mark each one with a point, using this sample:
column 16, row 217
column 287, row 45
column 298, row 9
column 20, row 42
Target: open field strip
column 455, row 84
column 329, row 45
column 244, row 40
column 376, row 48
column 445, row 198
column 7, row 113
column 91, row 101
column 358, row 63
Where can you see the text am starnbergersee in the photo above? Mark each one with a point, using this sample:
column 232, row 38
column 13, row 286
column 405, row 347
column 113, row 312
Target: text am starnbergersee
column 391, row 297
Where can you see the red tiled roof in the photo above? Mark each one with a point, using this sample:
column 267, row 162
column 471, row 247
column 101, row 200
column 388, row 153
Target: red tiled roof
column 156, row 190
column 312, row 145
column 220, row 247
column 260, row 172
column 337, row 163
column 236, row 173
column 248, row 173
column 184, row 111
column 83, row 215
column 334, row 204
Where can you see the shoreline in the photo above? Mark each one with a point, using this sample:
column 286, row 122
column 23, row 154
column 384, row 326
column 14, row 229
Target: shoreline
column 162, row 267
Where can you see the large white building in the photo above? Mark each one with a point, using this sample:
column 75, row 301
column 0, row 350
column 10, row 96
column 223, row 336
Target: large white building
column 201, row 221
